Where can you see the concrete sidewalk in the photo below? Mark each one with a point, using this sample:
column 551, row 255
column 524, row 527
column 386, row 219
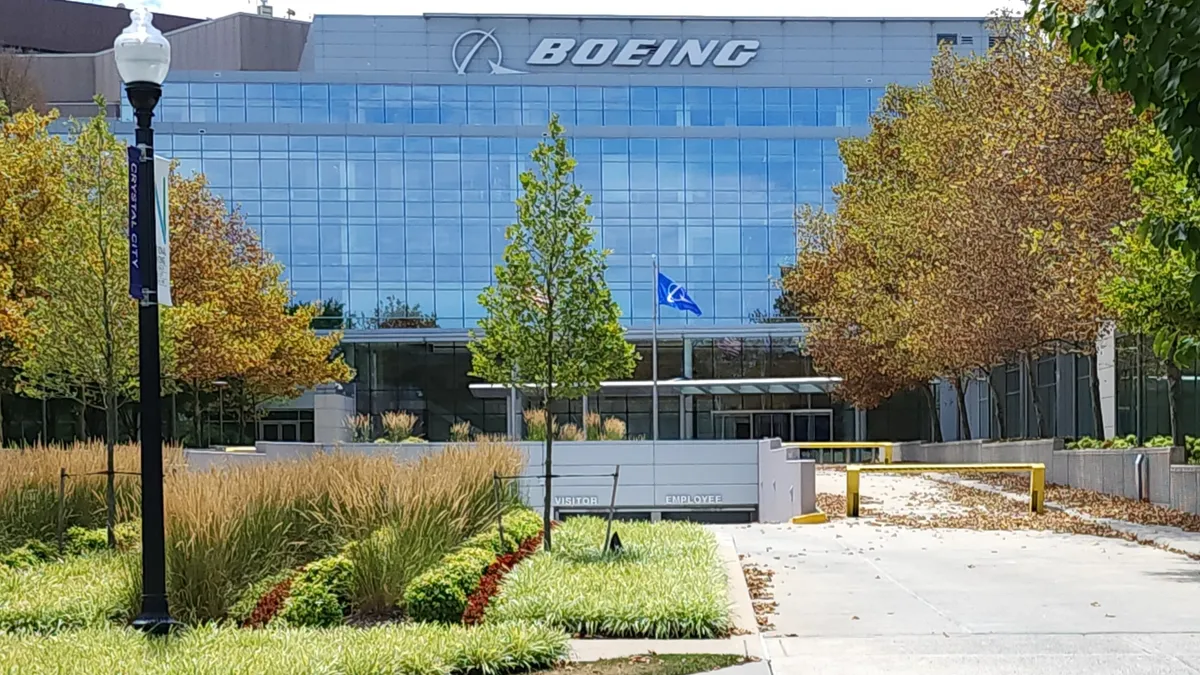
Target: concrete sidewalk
column 858, row 598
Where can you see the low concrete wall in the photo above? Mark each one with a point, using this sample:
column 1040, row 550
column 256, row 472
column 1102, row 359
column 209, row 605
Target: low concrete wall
column 662, row 476
column 203, row 460
column 1185, row 488
column 787, row 487
column 1107, row 471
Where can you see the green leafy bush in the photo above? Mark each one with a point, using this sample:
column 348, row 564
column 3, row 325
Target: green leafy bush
column 413, row 649
column 1118, row 443
column 128, row 534
column 320, row 594
column 440, row 594
column 81, row 540
column 669, row 582
column 32, row 552
column 519, row 525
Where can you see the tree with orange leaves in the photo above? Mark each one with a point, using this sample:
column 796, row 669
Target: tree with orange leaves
column 973, row 225
column 232, row 307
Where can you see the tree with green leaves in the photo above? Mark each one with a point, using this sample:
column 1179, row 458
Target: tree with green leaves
column 1151, row 289
column 552, row 326
column 1151, row 50
column 83, row 342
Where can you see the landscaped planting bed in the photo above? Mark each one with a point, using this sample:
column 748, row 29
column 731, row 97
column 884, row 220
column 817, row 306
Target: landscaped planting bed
column 85, row 590
column 416, row 649
column 669, row 582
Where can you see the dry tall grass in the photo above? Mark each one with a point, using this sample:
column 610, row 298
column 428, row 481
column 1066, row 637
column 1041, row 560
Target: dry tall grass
column 29, row 487
column 229, row 528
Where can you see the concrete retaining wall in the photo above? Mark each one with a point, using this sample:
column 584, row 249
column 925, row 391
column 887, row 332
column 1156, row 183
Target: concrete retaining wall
column 1108, row 471
column 654, row 477
column 1185, row 488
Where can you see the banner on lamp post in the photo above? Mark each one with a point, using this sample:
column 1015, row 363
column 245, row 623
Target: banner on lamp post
column 135, row 268
column 162, row 175
column 162, row 211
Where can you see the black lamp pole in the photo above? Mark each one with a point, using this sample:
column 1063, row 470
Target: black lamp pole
column 154, row 617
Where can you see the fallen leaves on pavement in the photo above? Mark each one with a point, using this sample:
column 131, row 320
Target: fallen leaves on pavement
column 1096, row 504
column 762, row 596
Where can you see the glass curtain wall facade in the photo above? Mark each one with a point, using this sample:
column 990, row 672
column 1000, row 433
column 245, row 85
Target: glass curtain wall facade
column 383, row 175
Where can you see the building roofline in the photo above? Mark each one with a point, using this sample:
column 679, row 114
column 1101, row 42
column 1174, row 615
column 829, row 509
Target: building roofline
column 637, row 17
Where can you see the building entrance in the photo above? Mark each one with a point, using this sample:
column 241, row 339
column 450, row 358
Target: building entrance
column 788, row 425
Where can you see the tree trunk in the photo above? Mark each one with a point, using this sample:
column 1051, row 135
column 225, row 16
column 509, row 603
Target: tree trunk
column 196, row 414
column 964, row 421
column 110, row 487
column 1034, row 396
column 997, row 409
column 1174, row 377
column 935, row 415
column 81, row 423
column 1, row 420
column 1097, row 410
column 549, row 501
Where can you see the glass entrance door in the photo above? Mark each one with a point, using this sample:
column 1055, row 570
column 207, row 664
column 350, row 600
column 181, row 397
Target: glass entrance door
column 735, row 427
column 773, row 425
column 812, row 425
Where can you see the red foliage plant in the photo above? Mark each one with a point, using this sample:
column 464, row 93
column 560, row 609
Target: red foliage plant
column 270, row 604
column 489, row 585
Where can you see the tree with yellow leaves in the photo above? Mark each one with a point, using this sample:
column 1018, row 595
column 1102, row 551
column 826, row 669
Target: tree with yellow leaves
column 33, row 198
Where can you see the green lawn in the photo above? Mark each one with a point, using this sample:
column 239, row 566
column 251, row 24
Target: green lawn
column 409, row 649
column 668, row 583
column 85, row 590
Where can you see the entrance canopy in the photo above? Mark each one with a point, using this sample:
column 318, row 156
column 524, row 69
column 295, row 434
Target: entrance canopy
column 761, row 385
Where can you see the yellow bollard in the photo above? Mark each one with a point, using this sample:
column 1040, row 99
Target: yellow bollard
column 852, row 491
column 1037, row 489
column 887, row 453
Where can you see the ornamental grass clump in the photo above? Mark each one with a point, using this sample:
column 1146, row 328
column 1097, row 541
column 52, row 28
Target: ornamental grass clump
column 360, row 428
column 614, row 429
column 593, row 426
column 535, row 425
column 570, row 432
column 398, row 426
column 460, row 432
column 228, row 529
column 29, row 488
column 669, row 582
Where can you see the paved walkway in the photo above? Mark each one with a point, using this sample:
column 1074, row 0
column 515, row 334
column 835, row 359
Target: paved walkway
column 857, row 598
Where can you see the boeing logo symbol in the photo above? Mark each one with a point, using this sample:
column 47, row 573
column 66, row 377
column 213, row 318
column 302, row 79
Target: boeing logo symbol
column 675, row 293
column 484, row 37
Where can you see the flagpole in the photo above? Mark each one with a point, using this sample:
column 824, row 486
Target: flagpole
column 654, row 357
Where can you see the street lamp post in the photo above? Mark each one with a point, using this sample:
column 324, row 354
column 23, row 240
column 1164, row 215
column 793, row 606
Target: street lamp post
column 143, row 57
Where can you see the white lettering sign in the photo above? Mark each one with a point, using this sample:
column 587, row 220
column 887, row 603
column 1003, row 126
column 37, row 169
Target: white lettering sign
column 576, row 501
column 555, row 51
column 695, row 499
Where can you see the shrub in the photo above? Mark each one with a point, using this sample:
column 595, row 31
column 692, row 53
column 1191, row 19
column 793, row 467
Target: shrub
column 81, row 540
column 250, row 598
column 86, row 590
column 128, row 534
column 320, row 593
column 360, row 428
column 614, row 429
column 29, row 488
column 1118, row 443
column 489, row 585
column 398, row 426
column 460, row 432
column 535, row 424
column 229, row 528
column 414, row 649
column 570, row 432
column 519, row 525
column 32, row 552
column 669, row 582
column 440, row 594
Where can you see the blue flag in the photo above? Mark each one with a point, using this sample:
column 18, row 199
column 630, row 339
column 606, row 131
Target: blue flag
column 675, row 296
